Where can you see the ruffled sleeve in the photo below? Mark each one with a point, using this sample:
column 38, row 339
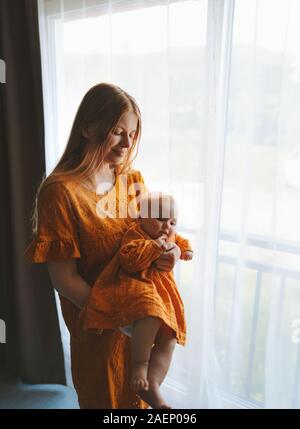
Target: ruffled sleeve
column 57, row 229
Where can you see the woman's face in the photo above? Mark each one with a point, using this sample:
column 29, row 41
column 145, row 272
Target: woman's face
column 122, row 138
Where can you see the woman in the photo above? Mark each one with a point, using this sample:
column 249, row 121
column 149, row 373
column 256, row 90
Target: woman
column 77, row 240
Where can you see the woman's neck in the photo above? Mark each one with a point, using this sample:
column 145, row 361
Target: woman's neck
column 105, row 174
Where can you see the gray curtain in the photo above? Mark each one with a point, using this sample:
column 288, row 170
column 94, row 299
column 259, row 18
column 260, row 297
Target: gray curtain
column 33, row 349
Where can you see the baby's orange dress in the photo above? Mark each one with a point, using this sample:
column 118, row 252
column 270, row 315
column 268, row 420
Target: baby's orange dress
column 69, row 226
column 130, row 288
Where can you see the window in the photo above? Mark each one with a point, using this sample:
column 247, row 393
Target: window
column 218, row 85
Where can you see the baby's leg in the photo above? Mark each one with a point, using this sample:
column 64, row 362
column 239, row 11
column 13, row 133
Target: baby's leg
column 159, row 364
column 144, row 332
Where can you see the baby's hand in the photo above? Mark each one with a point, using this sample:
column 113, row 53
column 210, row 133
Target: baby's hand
column 168, row 245
column 161, row 241
column 187, row 256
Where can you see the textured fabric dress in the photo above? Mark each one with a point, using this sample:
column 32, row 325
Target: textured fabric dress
column 72, row 224
column 130, row 288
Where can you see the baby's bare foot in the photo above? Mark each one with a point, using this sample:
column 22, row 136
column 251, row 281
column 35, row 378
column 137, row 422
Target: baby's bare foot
column 154, row 398
column 139, row 376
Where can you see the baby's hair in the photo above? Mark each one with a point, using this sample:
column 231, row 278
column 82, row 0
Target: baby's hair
column 158, row 205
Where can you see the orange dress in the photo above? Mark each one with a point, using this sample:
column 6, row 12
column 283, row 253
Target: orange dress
column 69, row 226
column 130, row 288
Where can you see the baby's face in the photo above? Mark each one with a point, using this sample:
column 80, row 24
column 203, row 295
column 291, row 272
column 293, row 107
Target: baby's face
column 157, row 226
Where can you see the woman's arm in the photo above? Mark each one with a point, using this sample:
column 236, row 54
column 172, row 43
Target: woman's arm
column 66, row 280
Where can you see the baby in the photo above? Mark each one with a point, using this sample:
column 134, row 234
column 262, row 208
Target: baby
column 143, row 302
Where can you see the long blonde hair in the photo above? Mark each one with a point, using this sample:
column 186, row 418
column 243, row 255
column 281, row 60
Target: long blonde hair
column 101, row 108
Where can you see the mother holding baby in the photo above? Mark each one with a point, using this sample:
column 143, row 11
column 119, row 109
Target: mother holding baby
column 77, row 242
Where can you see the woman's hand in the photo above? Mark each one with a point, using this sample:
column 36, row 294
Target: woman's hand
column 168, row 259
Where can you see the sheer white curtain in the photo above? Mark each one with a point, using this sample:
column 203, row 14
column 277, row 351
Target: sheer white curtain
column 258, row 287
column 217, row 82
